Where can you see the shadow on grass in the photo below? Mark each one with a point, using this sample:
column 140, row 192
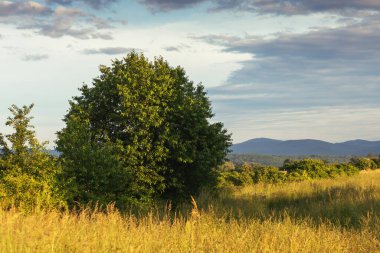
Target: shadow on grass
column 345, row 206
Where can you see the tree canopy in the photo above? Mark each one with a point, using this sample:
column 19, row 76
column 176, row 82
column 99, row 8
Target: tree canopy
column 141, row 131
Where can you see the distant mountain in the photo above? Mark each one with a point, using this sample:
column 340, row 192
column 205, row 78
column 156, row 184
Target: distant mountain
column 306, row 147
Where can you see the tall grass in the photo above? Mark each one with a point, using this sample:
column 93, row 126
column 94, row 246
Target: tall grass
column 340, row 215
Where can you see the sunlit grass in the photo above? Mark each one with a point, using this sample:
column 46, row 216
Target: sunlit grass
column 341, row 215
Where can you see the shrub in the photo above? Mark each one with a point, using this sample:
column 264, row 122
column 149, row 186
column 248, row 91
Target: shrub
column 226, row 166
column 269, row 174
column 311, row 168
column 363, row 163
column 345, row 169
column 376, row 160
column 28, row 174
column 234, row 178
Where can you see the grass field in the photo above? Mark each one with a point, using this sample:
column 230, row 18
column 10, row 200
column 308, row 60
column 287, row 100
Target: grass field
column 341, row 215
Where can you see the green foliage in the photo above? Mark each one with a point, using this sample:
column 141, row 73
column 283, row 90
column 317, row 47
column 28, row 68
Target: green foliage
column 3, row 145
column 344, row 169
column 278, row 161
column 269, row 174
column 376, row 161
column 232, row 178
column 28, row 174
column 142, row 129
column 312, row 168
column 292, row 170
column 226, row 166
column 315, row 168
column 248, row 174
column 84, row 167
column 363, row 163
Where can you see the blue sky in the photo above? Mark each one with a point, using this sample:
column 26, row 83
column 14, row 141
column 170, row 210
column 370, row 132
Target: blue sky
column 279, row 69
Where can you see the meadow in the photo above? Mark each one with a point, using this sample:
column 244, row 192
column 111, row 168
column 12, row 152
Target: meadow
column 328, row 215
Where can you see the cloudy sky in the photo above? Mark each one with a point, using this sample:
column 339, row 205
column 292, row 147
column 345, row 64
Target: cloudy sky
column 281, row 69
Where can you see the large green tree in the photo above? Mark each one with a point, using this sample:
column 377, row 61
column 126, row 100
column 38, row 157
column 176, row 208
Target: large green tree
column 141, row 131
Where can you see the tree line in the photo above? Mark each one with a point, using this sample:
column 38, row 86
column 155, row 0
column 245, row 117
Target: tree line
column 241, row 174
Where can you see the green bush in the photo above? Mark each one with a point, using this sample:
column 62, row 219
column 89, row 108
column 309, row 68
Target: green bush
column 298, row 176
column 247, row 174
column 29, row 176
column 376, row 161
column 269, row 174
column 311, row 168
column 226, row 166
column 346, row 169
column 374, row 164
column 315, row 169
column 234, row 178
column 363, row 163
column 293, row 170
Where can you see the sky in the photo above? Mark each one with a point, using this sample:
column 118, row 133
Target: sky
column 294, row 69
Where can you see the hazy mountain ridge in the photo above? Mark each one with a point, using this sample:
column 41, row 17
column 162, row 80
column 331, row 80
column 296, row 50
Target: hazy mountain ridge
column 306, row 147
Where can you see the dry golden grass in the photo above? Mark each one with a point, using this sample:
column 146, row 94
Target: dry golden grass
column 322, row 216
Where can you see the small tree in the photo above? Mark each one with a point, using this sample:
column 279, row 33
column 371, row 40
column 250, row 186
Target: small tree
column 145, row 127
column 28, row 174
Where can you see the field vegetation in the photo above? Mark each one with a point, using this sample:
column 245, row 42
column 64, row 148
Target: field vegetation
column 231, row 174
column 329, row 215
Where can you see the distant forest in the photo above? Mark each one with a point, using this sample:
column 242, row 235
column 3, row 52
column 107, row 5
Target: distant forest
column 278, row 161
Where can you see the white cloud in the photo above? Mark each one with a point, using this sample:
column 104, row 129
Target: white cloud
column 264, row 108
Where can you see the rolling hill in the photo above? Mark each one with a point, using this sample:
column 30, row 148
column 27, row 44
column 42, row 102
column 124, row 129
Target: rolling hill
column 306, row 147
